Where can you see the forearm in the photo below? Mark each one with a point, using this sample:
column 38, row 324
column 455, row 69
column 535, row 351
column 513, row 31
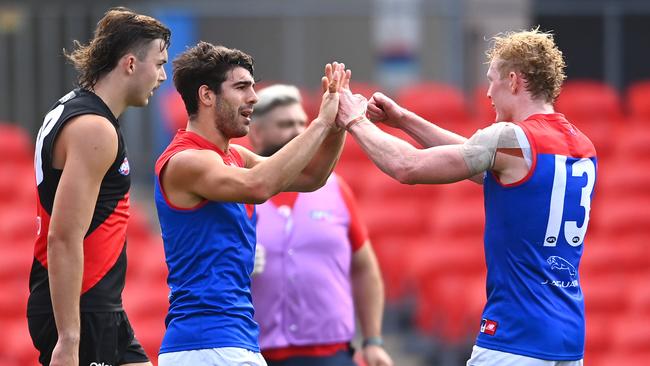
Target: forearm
column 65, row 271
column 368, row 292
column 426, row 133
column 281, row 169
column 321, row 166
column 392, row 155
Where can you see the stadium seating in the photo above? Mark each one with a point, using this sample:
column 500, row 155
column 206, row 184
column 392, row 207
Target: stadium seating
column 428, row 239
column 441, row 104
column 595, row 108
column 482, row 105
column 638, row 97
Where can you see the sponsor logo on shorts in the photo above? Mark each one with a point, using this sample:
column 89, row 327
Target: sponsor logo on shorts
column 100, row 364
column 488, row 326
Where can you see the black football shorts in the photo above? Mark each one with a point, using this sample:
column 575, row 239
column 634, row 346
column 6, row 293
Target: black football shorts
column 106, row 339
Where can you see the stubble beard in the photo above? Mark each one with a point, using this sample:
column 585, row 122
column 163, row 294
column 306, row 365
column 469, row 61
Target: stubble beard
column 226, row 121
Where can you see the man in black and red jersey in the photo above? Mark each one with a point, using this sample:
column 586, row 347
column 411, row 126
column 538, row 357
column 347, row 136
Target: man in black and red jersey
column 74, row 311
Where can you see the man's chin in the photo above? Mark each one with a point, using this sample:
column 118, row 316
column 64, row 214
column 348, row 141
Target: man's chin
column 241, row 133
column 140, row 103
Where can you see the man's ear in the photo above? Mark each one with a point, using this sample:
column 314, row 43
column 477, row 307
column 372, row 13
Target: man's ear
column 514, row 80
column 206, row 96
column 128, row 63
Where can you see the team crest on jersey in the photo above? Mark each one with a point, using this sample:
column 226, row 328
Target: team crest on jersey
column 124, row 168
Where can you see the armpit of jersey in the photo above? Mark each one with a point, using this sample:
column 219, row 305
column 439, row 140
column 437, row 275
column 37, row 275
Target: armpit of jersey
column 479, row 151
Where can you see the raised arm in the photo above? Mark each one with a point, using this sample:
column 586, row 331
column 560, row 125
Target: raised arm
column 408, row 164
column 85, row 150
column 383, row 109
column 194, row 175
column 321, row 166
column 439, row 164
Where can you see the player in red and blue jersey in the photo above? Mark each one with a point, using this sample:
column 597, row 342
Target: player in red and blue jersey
column 205, row 191
column 538, row 173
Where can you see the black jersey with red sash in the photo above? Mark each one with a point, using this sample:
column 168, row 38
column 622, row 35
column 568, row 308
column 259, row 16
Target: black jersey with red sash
column 104, row 244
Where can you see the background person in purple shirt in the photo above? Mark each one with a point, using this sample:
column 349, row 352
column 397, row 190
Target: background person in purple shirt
column 318, row 263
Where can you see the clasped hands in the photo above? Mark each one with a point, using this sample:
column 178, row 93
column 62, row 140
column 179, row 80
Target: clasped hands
column 354, row 108
column 340, row 106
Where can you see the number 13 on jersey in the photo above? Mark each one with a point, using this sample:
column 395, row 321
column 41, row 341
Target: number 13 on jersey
column 573, row 233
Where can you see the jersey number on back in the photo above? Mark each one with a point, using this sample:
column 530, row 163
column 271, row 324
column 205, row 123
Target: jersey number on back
column 573, row 233
column 48, row 123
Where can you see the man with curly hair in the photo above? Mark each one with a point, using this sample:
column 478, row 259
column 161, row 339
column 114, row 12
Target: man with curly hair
column 538, row 172
column 74, row 310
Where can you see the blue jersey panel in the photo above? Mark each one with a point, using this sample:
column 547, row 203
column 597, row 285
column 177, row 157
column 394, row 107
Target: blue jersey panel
column 534, row 237
column 210, row 254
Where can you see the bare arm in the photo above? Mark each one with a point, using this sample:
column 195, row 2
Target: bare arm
column 322, row 164
column 407, row 164
column 319, row 168
column 399, row 159
column 368, row 292
column 383, row 109
column 85, row 150
column 193, row 175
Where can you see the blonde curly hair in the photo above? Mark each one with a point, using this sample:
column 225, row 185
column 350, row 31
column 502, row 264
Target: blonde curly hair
column 535, row 55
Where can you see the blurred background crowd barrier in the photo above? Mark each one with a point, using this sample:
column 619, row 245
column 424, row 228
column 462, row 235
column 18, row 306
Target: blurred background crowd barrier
column 428, row 55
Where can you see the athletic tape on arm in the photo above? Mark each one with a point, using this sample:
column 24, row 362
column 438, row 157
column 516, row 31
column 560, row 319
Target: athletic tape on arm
column 479, row 151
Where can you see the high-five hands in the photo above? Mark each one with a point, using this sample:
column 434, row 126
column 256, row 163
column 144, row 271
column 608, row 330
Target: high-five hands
column 335, row 80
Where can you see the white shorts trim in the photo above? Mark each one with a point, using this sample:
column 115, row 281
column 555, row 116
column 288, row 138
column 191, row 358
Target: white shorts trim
column 223, row 356
column 489, row 357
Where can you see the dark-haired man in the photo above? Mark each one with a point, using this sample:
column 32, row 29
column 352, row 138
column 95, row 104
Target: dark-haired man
column 205, row 193
column 74, row 311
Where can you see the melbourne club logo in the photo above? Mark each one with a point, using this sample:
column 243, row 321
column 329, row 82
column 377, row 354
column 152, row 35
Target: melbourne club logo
column 124, row 168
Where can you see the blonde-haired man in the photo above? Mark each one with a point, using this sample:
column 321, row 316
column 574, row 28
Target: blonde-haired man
column 538, row 173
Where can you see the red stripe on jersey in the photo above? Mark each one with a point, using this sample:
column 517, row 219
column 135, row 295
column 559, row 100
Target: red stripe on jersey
column 553, row 134
column 40, row 249
column 103, row 246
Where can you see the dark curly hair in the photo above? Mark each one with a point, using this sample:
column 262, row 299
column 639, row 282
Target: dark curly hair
column 533, row 54
column 119, row 32
column 205, row 64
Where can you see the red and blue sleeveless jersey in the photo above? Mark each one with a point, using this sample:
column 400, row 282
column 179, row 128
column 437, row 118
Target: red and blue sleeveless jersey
column 104, row 244
column 534, row 239
column 210, row 251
